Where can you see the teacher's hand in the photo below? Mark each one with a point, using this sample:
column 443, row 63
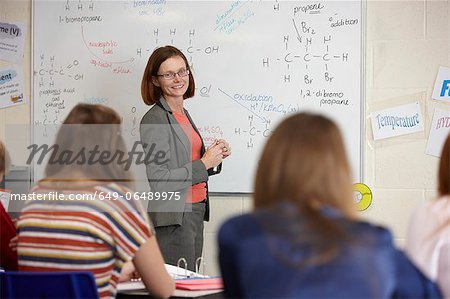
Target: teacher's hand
column 226, row 148
column 213, row 155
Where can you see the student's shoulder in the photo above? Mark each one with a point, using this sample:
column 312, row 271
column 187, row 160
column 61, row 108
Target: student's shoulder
column 238, row 222
column 429, row 217
column 371, row 234
column 114, row 198
column 239, row 227
column 437, row 210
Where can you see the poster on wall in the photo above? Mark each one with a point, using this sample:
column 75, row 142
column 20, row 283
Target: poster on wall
column 12, row 39
column 441, row 90
column 11, row 87
column 396, row 121
column 440, row 128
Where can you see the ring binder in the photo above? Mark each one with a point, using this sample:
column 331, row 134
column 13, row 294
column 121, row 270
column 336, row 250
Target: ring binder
column 199, row 262
column 182, row 264
column 185, row 267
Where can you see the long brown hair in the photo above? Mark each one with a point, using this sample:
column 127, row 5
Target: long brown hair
column 444, row 169
column 4, row 160
column 78, row 133
column 304, row 163
column 149, row 91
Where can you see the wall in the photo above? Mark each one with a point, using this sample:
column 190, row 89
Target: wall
column 11, row 11
column 406, row 41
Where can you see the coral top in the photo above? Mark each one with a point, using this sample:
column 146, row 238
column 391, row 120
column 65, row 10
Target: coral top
column 198, row 191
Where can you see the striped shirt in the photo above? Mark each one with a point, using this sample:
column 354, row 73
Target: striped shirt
column 82, row 235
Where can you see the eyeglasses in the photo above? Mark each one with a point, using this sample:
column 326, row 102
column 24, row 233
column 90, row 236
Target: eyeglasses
column 170, row 76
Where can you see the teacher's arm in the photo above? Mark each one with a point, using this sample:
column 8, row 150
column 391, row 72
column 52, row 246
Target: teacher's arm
column 163, row 168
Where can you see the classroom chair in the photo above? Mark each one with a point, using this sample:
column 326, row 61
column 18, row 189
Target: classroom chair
column 47, row 285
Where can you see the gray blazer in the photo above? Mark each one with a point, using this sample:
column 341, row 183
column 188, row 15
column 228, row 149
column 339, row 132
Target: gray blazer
column 173, row 171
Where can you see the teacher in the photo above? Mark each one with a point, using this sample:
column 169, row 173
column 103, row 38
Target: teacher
column 178, row 164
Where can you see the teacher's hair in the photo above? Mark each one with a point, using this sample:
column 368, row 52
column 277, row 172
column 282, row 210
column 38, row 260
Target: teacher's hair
column 149, row 91
column 77, row 134
column 444, row 169
column 304, row 162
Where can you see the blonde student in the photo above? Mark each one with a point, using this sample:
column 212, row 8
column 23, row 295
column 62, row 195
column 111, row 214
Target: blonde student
column 83, row 221
column 428, row 242
column 304, row 239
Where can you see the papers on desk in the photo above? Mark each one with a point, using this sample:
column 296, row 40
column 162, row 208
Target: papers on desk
column 199, row 284
column 192, row 286
column 189, row 284
column 191, row 281
column 138, row 288
column 179, row 273
column 130, row 286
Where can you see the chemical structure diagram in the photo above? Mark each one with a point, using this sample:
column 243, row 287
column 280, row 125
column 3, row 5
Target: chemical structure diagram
column 48, row 69
column 190, row 50
column 306, row 47
column 79, row 5
column 172, row 34
column 254, row 130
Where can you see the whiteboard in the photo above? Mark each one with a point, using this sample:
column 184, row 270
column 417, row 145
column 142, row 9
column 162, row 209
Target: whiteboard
column 254, row 62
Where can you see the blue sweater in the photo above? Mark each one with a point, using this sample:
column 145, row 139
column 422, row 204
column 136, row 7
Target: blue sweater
column 371, row 267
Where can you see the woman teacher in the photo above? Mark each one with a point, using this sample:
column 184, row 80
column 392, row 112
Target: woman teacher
column 179, row 164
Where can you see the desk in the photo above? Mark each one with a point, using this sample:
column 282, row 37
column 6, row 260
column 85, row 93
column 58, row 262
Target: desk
column 178, row 294
column 137, row 290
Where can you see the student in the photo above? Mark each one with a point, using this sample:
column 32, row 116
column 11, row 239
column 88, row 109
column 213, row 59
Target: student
column 428, row 242
column 8, row 257
column 304, row 240
column 92, row 228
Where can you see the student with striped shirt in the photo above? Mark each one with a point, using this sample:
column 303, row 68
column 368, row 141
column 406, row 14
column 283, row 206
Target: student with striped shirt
column 82, row 221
